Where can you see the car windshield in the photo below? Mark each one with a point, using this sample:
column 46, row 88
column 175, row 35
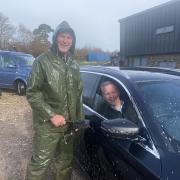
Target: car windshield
column 24, row 60
column 163, row 98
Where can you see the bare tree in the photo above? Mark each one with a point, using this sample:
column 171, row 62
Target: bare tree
column 6, row 31
column 22, row 41
column 37, row 47
column 24, row 35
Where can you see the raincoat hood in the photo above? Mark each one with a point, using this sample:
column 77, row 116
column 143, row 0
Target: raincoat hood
column 64, row 27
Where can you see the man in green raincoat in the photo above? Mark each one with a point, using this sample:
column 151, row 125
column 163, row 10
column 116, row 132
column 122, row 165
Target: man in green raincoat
column 55, row 94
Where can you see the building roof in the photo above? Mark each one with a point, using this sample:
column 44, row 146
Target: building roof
column 150, row 10
column 13, row 52
column 136, row 74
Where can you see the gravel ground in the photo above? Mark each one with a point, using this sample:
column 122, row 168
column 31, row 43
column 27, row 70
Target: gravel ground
column 16, row 137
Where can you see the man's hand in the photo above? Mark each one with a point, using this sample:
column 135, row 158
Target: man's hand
column 58, row 120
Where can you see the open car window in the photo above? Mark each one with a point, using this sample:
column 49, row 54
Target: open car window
column 90, row 82
column 103, row 108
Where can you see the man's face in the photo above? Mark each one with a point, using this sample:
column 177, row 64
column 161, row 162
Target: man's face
column 110, row 94
column 64, row 42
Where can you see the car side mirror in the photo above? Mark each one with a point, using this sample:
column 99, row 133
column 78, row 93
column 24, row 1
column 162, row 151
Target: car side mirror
column 120, row 129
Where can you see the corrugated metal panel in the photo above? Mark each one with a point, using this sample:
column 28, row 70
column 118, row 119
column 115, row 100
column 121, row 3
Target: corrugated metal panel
column 177, row 28
column 154, row 32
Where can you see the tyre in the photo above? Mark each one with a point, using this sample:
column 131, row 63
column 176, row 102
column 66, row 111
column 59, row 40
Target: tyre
column 20, row 88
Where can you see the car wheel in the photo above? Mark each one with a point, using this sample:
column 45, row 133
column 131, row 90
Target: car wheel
column 20, row 88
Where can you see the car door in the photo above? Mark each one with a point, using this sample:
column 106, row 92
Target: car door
column 1, row 69
column 88, row 156
column 91, row 82
column 7, row 72
column 129, row 159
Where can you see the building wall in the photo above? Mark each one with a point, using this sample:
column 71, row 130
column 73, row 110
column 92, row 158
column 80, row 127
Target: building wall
column 168, row 61
column 155, row 31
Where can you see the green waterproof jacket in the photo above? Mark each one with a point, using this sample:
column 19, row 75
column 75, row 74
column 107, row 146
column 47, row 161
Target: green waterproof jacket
column 55, row 87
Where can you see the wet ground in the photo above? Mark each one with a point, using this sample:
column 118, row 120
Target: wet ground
column 16, row 134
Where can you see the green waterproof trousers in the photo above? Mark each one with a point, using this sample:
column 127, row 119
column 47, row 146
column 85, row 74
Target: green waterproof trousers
column 56, row 147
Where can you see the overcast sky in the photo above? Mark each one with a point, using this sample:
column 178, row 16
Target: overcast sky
column 95, row 21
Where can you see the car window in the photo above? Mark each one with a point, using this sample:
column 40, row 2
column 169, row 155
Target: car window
column 23, row 60
column 1, row 62
column 90, row 82
column 8, row 61
column 163, row 101
column 101, row 106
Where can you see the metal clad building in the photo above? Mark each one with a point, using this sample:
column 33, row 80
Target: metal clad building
column 151, row 37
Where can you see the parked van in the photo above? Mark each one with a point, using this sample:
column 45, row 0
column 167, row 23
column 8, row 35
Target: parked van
column 14, row 70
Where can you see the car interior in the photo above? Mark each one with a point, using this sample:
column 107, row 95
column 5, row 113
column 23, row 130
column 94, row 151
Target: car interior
column 99, row 100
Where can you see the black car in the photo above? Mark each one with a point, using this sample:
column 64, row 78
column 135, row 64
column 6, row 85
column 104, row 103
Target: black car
column 122, row 149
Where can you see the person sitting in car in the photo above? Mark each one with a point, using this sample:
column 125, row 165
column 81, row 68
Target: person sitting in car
column 114, row 107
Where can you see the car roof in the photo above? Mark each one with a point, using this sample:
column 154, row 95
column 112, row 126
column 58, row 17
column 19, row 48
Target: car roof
column 14, row 53
column 137, row 74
